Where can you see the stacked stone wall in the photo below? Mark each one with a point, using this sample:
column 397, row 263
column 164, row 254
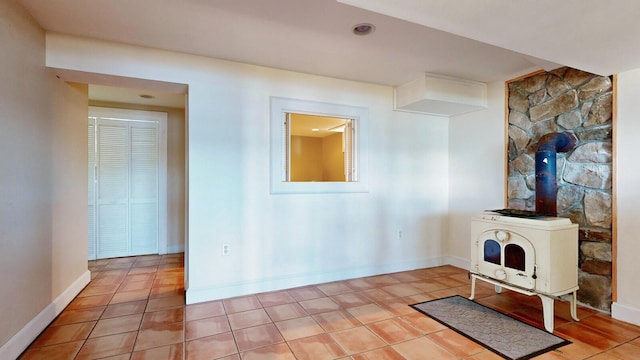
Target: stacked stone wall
column 570, row 100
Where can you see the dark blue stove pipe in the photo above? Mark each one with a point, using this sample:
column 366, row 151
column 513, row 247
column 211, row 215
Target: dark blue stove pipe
column 546, row 181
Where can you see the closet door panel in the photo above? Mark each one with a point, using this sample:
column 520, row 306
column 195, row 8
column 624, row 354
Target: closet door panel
column 112, row 230
column 144, row 162
column 144, row 229
column 113, row 162
column 144, row 188
column 113, row 188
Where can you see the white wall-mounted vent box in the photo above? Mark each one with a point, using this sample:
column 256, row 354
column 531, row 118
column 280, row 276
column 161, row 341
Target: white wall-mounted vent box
column 440, row 95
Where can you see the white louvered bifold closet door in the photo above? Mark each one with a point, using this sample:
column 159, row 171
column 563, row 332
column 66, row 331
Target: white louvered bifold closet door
column 125, row 221
column 143, row 194
column 112, row 188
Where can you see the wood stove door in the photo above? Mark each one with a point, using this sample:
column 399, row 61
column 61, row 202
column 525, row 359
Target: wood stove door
column 507, row 256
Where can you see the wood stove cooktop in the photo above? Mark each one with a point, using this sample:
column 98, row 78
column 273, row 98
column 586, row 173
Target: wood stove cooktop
column 523, row 217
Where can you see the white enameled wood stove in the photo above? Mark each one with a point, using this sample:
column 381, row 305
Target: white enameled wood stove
column 534, row 255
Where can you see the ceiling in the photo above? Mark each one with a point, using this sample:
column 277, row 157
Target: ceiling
column 489, row 40
column 315, row 126
column 124, row 95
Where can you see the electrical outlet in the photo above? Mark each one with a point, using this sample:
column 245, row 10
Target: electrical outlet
column 225, row 249
column 399, row 234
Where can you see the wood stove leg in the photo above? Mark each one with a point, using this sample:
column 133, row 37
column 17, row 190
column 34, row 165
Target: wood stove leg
column 547, row 312
column 473, row 287
column 498, row 289
column 572, row 302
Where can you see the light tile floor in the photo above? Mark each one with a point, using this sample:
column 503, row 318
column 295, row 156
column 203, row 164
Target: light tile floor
column 134, row 309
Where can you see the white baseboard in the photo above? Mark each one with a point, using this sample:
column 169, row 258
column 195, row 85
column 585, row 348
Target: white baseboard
column 71, row 292
column 174, row 249
column 264, row 285
column 20, row 341
column 625, row 313
column 458, row 262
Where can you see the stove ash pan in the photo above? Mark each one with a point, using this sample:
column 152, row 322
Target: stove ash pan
column 538, row 254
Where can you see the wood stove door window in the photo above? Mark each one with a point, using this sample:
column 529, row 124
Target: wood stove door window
column 492, row 252
column 514, row 257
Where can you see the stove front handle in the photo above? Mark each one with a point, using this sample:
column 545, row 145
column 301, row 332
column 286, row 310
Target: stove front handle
column 502, row 235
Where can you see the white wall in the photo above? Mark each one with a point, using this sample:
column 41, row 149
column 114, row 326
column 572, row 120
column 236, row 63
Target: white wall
column 627, row 147
column 476, row 170
column 69, row 183
column 42, row 261
column 279, row 241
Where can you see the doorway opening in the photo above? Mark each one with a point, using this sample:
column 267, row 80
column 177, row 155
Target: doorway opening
column 127, row 182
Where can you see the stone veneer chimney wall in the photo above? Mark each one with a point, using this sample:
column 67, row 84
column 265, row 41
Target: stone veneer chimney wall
column 571, row 100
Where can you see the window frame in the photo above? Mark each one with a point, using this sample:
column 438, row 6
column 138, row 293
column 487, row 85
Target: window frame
column 278, row 146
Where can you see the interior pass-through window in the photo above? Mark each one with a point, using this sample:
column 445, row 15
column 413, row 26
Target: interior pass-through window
column 320, row 148
column 317, row 147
